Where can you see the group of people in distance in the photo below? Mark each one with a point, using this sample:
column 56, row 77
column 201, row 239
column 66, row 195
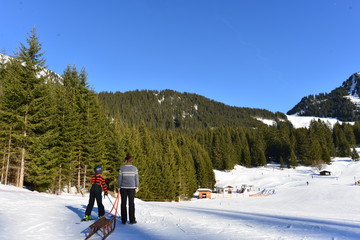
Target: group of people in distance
column 128, row 183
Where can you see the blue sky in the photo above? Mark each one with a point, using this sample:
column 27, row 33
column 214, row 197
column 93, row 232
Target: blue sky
column 248, row 53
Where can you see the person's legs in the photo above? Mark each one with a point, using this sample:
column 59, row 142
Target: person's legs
column 131, row 195
column 98, row 196
column 91, row 203
column 123, row 194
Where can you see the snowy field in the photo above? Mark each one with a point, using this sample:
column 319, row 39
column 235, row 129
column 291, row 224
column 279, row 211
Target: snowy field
column 304, row 121
column 327, row 208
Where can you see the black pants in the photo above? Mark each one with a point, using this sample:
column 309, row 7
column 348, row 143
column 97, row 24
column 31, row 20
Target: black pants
column 95, row 193
column 127, row 194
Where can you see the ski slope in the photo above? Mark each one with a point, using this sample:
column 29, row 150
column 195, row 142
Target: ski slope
column 304, row 121
column 327, row 208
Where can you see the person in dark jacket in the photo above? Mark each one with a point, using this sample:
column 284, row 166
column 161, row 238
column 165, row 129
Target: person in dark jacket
column 98, row 184
column 128, row 183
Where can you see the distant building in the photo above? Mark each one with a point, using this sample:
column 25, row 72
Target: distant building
column 325, row 173
column 204, row 193
column 224, row 189
column 239, row 188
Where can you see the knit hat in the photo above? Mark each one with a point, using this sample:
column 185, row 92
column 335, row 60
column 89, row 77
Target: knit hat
column 98, row 169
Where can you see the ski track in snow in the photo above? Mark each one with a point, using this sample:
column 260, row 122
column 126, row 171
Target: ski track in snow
column 225, row 224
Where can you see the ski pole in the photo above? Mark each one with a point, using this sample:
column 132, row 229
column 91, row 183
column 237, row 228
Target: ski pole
column 114, row 206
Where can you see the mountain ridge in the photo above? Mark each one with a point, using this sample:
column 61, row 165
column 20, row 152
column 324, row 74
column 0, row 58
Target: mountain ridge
column 171, row 110
column 342, row 103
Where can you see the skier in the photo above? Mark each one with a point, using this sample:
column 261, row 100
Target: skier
column 98, row 184
column 128, row 183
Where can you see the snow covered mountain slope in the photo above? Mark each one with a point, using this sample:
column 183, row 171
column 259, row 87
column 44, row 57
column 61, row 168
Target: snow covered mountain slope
column 304, row 121
column 325, row 208
column 352, row 85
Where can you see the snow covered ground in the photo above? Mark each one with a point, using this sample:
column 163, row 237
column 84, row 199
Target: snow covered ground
column 327, row 208
column 304, row 121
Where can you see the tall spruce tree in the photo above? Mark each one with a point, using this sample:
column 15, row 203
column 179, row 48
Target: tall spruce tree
column 245, row 153
column 341, row 141
column 43, row 165
column 355, row 155
column 204, row 173
column 187, row 171
column 257, row 149
column 5, row 126
column 23, row 98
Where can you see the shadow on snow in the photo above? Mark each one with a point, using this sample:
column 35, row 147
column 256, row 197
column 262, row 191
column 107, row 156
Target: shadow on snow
column 299, row 225
column 124, row 231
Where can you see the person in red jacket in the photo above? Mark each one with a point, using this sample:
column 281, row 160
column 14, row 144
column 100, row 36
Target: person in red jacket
column 98, row 184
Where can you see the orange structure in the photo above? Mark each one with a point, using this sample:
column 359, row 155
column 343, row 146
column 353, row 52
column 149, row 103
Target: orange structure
column 204, row 193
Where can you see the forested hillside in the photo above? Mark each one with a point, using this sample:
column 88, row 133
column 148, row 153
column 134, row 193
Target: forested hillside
column 341, row 103
column 54, row 130
column 173, row 110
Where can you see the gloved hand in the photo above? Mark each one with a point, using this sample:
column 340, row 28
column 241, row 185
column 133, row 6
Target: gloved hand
column 105, row 195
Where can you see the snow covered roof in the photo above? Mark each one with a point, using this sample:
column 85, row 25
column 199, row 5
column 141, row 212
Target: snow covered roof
column 204, row 190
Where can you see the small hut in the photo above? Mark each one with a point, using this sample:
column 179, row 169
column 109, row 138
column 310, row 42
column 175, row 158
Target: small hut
column 204, row 193
column 325, row 173
column 224, row 189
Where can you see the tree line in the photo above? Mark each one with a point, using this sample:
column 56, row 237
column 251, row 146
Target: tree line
column 280, row 143
column 172, row 110
column 54, row 130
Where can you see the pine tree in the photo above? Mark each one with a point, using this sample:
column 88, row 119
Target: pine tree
column 228, row 149
column 23, row 98
column 217, row 151
column 341, row 143
column 42, row 167
column 354, row 155
column 237, row 145
column 257, row 150
column 281, row 163
column 316, row 151
column 166, row 166
column 293, row 161
column 303, row 146
column 204, row 172
column 114, row 153
column 70, row 128
column 187, row 171
column 245, row 153
column 147, row 166
column 5, row 127
column 356, row 130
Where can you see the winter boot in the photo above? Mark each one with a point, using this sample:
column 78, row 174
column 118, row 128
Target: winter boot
column 87, row 218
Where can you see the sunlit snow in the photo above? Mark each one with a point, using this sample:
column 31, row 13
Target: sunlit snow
column 304, row 205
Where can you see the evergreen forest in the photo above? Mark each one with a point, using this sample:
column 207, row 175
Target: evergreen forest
column 54, row 129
